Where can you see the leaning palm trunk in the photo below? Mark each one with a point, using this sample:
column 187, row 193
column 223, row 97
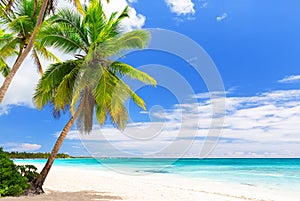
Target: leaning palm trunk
column 24, row 54
column 38, row 183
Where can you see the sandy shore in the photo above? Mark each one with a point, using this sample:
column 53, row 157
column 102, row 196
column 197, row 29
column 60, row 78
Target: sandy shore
column 69, row 184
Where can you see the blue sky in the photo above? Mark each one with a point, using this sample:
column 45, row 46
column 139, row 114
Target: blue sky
column 255, row 46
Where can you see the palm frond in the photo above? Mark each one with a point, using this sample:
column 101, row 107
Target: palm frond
column 85, row 118
column 73, row 20
column 44, row 52
column 65, row 90
column 62, row 37
column 115, row 23
column 116, row 46
column 125, row 69
column 56, row 80
column 100, row 27
column 37, row 61
column 111, row 94
column 9, row 49
column 6, row 15
column 4, row 68
column 123, row 92
column 89, row 77
column 22, row 24
column 8, row 44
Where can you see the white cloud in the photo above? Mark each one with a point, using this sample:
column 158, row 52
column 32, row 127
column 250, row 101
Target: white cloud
column 22, row 87
column 21, row 147
column 264, row 125
column 290, row 79
column 181, row 7
column 222, row 17
column 135, row 20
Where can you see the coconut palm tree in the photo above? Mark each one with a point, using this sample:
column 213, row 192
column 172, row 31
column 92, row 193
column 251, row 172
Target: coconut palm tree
column 6, row 8
column 40, row 9
column 19, row 25
column 91, row 83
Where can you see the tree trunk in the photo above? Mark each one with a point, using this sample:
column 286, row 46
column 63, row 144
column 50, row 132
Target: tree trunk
column 24, row 54
column 38, row 183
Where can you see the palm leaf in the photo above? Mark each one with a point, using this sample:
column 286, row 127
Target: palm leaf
column 51, row 83
column 44, row 52
column 37, row 61
column 72, row 19
column 62, row 37
column 22, row 24
column 8, row 45
column 85, row 118
column 4, row 68
column 125, row 69
column 64, row 92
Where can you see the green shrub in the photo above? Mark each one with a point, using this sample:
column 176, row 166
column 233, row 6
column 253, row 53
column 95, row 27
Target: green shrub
column 11, row 181
column 28, row 171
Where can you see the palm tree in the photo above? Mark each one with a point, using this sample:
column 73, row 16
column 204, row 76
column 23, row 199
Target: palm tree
column 91, row 82
column 7, row 9
column 20, row 24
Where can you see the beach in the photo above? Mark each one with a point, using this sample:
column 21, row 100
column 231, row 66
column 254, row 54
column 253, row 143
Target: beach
column 74, row 183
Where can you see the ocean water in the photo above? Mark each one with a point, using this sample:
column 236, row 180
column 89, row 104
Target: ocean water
column 281, row 174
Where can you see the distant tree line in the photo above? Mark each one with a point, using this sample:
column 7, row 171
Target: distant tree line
column 25, row 155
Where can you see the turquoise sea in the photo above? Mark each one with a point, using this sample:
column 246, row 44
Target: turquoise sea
column 281, row 174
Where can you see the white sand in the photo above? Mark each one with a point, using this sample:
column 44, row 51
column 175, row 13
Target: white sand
column 108, row 185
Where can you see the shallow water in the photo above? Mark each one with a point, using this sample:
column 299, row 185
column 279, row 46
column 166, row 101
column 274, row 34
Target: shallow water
column 281, row 174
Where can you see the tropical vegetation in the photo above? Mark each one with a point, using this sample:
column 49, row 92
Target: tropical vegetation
column 28, row 155
column 36, row 13
column 12, row 183
column 89, row 84
column 92, row 81
column 7, row 11
column 19, row 24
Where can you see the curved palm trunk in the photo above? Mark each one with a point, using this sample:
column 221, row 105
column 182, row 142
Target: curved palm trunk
column 38, row 183
column 24, row 54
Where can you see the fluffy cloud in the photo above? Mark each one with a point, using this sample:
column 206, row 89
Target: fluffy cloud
column 181, row 7
column 290, row 79
column 222, row 17
column 21, row 147
column 135, row 20
column 265, row 125
column 22, row 87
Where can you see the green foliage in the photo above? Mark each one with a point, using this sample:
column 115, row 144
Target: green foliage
column 17, row 25
column 93, row 78
column 28, row 171
column 24, row 155
column 11, row 181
